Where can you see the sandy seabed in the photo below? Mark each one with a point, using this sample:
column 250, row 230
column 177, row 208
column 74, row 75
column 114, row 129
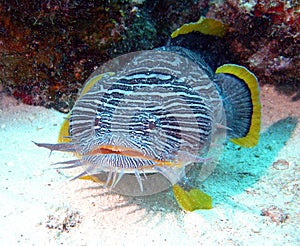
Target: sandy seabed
column 256, row 191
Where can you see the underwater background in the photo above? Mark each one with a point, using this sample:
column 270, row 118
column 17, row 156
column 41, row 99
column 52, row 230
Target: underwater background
column 49, row 48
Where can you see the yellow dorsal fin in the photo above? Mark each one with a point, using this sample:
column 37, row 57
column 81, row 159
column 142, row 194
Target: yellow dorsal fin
column 204, row 25
column 242, row 73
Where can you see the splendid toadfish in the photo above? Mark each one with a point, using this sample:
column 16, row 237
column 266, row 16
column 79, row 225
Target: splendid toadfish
column 146, row 119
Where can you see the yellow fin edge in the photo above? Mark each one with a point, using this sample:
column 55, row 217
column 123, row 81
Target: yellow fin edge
column 204, row 25
column 193, row 199
column 251, row 139
column 91, row 82
column 64, row 131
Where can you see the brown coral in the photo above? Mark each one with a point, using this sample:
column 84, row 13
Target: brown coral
column 264, row 36
column 48, row 48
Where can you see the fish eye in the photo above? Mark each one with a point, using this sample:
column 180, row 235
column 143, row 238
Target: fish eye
column 143, row 123
column 152, row 125
column 97, row 122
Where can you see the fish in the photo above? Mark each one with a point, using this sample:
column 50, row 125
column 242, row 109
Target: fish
column 145, row 120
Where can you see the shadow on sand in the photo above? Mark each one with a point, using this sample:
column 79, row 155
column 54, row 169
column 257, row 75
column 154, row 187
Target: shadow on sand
column 239, row 168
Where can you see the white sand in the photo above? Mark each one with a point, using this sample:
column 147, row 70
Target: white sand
column 35, row 197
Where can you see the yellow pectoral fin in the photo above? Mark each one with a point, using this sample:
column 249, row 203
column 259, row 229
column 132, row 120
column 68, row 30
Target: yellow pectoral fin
column 193, row 199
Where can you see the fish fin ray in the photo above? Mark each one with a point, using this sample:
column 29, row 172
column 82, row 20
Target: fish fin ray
column 240, row 91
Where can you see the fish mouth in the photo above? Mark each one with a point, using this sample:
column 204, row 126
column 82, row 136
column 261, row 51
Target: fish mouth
column 125, row 170
column 117, row 150
column 139, row 159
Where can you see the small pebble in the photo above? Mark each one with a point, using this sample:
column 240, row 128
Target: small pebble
column 281, row 164
column 275, row 214
column 63, row 220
